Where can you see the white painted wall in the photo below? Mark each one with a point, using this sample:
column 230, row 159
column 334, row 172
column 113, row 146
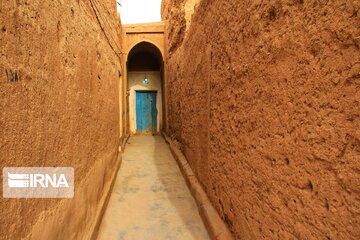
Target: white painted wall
column 135, row 82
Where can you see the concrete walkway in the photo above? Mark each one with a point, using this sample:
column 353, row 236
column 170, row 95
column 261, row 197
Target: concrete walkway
column 150, row 199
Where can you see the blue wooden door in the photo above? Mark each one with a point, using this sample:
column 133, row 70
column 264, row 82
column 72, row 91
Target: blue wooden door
column 146, row 112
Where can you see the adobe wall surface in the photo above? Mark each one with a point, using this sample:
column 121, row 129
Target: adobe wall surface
column 62, row 110
column 263, row 97
column 148, row 32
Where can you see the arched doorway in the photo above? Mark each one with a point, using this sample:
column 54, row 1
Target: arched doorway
column 145, row 89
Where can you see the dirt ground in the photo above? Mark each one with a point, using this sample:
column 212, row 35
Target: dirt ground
column 150, row 199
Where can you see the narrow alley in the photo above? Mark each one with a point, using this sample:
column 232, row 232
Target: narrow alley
column 151, row 192
column 180, row 120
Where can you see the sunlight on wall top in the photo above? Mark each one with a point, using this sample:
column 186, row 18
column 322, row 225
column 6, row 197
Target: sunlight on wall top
column 139, row 11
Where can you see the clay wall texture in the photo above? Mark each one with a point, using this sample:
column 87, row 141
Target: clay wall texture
column 63, row 110
column 263, row 98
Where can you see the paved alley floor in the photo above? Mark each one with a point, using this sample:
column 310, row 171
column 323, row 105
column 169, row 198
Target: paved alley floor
column 150, row 199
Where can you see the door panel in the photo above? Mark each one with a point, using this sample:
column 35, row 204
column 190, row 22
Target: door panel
column 146, row 112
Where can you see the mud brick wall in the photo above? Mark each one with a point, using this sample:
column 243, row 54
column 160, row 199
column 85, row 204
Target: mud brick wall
column 263, row 98
column 59, row 106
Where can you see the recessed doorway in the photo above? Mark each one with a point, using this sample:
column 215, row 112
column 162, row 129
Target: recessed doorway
column 144, row 89
column 146, row 112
